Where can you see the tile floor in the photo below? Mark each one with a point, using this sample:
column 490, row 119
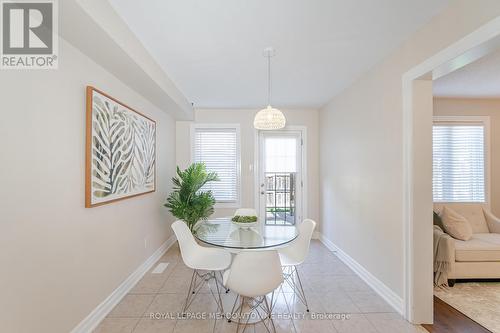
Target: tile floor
column 331, row 288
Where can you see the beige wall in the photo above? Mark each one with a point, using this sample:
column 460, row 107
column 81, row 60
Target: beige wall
column 307, row 118
column 59, row 260
column 479, row 107
column 361, row 148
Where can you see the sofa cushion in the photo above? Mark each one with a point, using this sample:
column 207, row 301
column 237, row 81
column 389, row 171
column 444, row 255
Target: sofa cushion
column 473, row 212
column 481, row 247
column 455, row 224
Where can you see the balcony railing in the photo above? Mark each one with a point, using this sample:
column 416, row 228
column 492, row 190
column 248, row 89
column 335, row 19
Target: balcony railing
column 280, row 198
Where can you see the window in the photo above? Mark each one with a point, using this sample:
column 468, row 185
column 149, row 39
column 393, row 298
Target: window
column 219, row 148
column 459, row 159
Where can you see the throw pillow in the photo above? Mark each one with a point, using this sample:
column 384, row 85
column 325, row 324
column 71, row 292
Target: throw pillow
column 455, row 224
column 437, row 221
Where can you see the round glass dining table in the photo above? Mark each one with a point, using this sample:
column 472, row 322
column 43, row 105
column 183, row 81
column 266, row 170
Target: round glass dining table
column 223, row 233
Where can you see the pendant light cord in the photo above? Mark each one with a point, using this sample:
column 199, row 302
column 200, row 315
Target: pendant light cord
column 269, row 79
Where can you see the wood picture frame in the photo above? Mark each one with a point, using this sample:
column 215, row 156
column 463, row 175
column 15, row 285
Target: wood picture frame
column 120, row 150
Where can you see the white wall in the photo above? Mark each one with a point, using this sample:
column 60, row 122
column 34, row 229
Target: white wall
column 307, row 118
column 59, row 260
column 361, row 148
column 479, row 107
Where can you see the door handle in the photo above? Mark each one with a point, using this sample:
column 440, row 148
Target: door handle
column 262, row 192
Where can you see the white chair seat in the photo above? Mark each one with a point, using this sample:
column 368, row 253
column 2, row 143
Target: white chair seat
column 254, row 274
column 200, row 258
column 289, row 259
column 211, row 260
column 295, row 253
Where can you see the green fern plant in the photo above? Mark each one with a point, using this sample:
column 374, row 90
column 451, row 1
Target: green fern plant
column 187, row 202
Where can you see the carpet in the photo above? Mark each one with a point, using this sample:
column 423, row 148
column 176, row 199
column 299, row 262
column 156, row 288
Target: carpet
column 479, row 301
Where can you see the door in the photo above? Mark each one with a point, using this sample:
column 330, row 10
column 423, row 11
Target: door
column 280, row 177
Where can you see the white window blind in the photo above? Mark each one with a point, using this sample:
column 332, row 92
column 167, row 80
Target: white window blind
column 218, row 149
column 458, row 162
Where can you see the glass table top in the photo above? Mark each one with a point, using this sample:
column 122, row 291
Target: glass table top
column 222, row 232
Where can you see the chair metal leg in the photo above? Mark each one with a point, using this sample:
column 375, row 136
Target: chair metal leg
column 197, row 281
column 233, row 308
column 258, row 306
column 187, row 302
column 222, row 280
column 291, row 272
column 239, row 316
column 263, row 304
column 301, row 288
column 270, row 314
column 217, row 297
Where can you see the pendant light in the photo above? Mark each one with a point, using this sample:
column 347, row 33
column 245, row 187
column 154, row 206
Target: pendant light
column 269, row 118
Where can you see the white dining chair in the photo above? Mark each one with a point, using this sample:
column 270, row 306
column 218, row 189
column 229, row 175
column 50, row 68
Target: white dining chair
column 245, row 212
column 294, row 255
column 253, row 275
column 199, row 259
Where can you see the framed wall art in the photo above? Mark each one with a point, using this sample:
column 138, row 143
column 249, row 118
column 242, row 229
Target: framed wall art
column 120, row 151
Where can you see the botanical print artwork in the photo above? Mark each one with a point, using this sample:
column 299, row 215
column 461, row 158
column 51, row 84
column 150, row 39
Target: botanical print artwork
column 121, row 150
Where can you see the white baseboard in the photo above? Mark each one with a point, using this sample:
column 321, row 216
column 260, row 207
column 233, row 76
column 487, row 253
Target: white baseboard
column 380, row 288
column 101, row 311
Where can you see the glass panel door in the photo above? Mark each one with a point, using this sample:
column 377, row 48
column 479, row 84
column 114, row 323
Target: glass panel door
column 281, row 179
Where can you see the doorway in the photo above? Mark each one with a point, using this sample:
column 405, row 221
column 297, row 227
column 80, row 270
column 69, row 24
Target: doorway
column 280, row 177
column 417, row 174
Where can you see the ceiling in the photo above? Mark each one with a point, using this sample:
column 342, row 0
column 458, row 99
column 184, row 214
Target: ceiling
column 212, row 50
column 480, row 79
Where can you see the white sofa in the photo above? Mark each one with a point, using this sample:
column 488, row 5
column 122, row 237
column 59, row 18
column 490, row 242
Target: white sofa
column 478, row 257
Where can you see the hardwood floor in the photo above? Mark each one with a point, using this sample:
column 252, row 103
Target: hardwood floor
column 450, row 320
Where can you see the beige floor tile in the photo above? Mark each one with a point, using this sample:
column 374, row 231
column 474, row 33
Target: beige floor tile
column 356, row 323
column 281, row 325
column 338, row 303
column 321, row 269
column 175, row 284
column 321, row 258
column 172, row 256
column 166, row 304
column 298, row 308
column 178, row 282
column 116, row 325
column 222, row 326
column 132, row 306
column 369, row 301
column 330, row 287
column 170, row 268
column 312, row 325
column 203, row 303
column 149, row 284
column 148, row 325
column 352, row 284
column 391, row 323
column 181, row 270
column 195, row 326
column 322, row 283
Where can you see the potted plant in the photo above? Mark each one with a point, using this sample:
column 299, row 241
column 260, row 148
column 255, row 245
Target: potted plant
column 187, row 202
